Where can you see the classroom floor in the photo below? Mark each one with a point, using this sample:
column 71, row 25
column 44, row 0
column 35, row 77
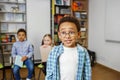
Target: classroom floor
column 99, row 72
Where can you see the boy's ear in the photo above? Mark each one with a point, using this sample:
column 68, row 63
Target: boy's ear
column 59, row 35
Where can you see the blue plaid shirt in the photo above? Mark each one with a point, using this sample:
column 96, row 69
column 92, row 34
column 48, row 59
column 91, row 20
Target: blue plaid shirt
column 83, row 70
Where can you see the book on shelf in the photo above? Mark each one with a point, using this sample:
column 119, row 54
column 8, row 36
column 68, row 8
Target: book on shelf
column 12, row 0
column 8, row 17
column 19, row 17
column 59, row 17
column 6, row 59
column 3, row 38
column 19, row 26
column 83, row 23
column 77, row 15
column 2, row 7
column 55, row 19
column 83, row 42
column 83, row 34
column 62, row 10
column 2, row 17
column 65, row 11
column 57, row 10
column 22, row 8
column 21, row 1
column 4, row 27
column 84, row 15
column 2, row 0
column 8, row 48
column 62, row 2
column 12, row 27
column 58, row 2
column 56, row 39
column 66, row 2
column 83, row 29
column 77, row 6
column 56, row 28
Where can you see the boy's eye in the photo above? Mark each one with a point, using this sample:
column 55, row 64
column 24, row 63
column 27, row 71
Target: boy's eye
column 64, row 33
column 71, row 33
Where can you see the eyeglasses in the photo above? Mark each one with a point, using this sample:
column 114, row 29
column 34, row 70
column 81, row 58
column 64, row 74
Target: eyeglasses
column 71, row 33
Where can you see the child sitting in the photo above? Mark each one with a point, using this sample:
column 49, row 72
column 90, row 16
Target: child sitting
column 24, row 49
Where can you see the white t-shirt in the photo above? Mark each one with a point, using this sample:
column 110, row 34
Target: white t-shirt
column 68, row 64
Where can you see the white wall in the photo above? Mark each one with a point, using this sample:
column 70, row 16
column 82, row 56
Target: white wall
column 112, row 24
column 108, row 53
column 38, row 22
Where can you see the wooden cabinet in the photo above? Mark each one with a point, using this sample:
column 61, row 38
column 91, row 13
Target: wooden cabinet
column 12, row 18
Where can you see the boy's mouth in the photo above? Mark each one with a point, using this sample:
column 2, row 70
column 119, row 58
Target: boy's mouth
column 68, row 41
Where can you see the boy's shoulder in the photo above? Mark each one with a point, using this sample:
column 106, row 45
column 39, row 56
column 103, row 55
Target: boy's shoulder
column 81, row 47
column 56, row 50
column 18, row 42
column 26, row 41
column 15, row 42
column 58, row 47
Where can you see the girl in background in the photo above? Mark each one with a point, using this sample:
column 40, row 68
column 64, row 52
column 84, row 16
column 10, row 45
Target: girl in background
column 45, row 49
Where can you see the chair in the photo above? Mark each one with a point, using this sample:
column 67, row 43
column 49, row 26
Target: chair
column 2, row 66
column 41, row 68
column 23, row 67
column 44, row 55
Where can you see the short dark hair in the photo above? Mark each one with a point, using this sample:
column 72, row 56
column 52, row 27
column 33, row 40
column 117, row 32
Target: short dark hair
column 70, row 19
column 21, row 30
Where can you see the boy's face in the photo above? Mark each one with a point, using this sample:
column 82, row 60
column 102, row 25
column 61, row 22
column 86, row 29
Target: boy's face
column 21, row 36
column 68, row 34
column 47, row 40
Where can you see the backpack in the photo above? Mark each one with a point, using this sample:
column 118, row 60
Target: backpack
column 92, row 55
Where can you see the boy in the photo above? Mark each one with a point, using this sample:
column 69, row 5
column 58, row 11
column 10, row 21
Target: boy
column 68, row 61
column 24, row 49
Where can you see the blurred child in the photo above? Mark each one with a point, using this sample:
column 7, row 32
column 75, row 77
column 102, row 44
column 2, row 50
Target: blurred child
column 69, row 60
column 45, row 49
column 24, row 49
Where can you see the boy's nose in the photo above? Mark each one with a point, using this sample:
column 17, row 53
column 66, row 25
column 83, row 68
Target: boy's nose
column 67, row 35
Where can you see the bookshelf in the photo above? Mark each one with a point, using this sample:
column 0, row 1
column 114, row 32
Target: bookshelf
column 12, row 18
column 76, row 8
column 80, row 11
column 60, row 8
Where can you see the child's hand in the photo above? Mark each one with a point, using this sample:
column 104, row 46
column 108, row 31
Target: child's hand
column 24, row 58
